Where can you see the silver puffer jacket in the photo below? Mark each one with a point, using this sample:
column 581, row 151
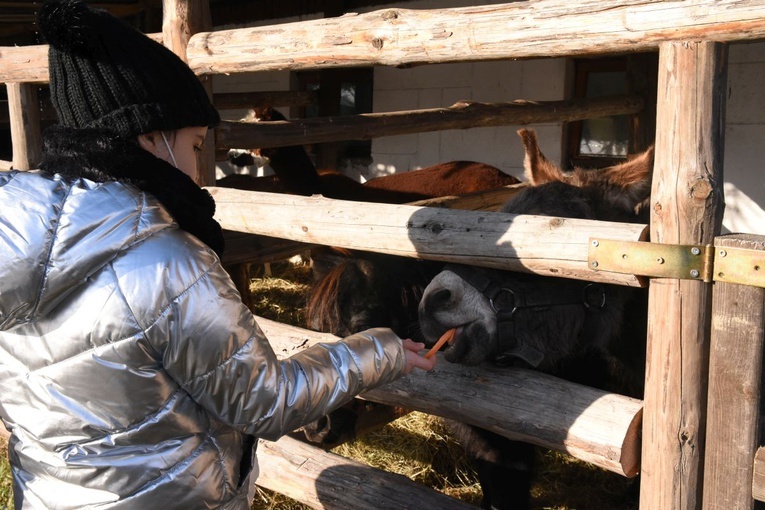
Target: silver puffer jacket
column 132, row 374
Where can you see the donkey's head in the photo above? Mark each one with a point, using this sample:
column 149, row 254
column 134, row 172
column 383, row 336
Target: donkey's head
column 542, row 321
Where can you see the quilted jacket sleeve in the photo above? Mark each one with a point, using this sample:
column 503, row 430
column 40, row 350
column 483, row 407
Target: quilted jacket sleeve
column 210, row 343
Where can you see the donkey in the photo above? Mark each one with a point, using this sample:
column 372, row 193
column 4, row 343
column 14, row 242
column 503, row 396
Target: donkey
column 589, row 333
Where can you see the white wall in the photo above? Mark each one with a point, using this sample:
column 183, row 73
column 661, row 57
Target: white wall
column 442, row 85
column 745, row 140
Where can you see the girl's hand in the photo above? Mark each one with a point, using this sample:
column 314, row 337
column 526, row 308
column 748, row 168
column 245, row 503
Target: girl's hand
column 413, row 358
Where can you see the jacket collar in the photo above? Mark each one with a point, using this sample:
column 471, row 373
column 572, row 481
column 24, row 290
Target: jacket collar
column 101, row 156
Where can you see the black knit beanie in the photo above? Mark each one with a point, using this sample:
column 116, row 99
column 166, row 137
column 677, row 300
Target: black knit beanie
column 106, row 74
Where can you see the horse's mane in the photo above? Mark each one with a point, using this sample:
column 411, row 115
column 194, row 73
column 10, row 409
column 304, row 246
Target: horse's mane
column 323, row 305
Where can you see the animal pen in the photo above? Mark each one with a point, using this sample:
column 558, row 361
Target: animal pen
column 694, row 438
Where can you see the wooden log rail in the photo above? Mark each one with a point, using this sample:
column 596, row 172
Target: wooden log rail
column 539, row 29
column 255, row 249
column 325, row 480
column 539, row 244
column 592, row 425
column 395, row 37
column 462, row 115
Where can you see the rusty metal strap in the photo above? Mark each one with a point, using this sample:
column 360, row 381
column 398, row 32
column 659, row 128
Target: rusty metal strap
column 691, row 262
column 739, row 265
column 652, row 259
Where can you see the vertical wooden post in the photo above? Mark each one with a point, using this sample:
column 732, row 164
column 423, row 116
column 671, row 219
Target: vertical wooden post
column 24, row 111
column 180, row 20
column 330, row 88
column 735, row 374
column 687, row 206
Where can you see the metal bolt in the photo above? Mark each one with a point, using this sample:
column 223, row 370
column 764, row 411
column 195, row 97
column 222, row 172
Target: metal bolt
column 595, row 242
column 695, row 273
column 660, row 260
column 723, row 253
column 695, row 250
column 595, row 264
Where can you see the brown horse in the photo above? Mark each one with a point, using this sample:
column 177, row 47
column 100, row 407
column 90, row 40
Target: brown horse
column 593, row 334
column 296, row 174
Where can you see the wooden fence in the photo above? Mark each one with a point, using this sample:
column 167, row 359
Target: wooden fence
column 700, row 414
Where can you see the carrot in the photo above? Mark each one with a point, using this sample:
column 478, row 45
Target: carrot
column 446, row 337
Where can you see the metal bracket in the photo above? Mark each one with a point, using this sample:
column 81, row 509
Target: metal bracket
column 690, row 262
column 739, row 265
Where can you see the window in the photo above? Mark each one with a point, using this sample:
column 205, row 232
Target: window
column 609, row 140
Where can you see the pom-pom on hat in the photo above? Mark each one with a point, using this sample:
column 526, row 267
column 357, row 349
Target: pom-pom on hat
column 106, row 74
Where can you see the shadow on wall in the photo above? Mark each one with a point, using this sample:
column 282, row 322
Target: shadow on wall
column 742, row 214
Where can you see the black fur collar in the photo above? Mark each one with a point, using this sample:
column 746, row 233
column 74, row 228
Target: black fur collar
column 101, row 157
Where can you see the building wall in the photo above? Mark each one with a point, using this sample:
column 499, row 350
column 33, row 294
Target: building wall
column 442, row 85
column 744, row 170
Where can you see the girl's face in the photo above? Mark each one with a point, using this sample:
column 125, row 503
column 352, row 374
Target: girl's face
column 179, row 148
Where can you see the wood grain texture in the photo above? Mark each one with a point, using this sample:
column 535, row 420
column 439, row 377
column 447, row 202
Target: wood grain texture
column 687, row 206
column 735, row 388
column 462, row 115
column 396, row 37
column 24, row 112
column 540, row 244
column 538, row 29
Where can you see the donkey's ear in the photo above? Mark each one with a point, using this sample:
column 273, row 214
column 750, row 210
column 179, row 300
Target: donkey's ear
column 632, row 180
column 538, row 168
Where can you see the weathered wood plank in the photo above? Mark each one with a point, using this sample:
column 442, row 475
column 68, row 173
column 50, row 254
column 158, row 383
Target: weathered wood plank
column 180, row 20
column 735, row 375
column 687, row 206
column 462, row 115
column 395, row 37
column 324, row 480
column 24, row 112
column 539, row 244
column 539, row 29
column 242, row 247
column 29, row 64
column 592, row 425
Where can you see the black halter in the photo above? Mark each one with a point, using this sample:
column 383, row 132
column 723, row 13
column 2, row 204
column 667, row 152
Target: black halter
column 506, row 301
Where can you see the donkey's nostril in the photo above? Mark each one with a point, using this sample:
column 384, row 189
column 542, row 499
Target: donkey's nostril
column 440, row 298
